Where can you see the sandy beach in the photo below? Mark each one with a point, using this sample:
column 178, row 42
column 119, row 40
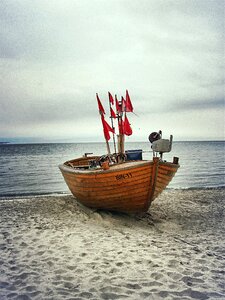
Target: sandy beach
column 53, row 248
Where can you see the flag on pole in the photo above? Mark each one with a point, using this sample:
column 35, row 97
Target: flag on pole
column 126, row 126
column 100, row 107
column 129, row 107
column 123, row 104
column 118, row 107
column 106, row 128
column 111, row 100
column 113, row 115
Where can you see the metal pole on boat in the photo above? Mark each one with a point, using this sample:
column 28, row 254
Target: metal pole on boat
column 123, row 109
column 114, row 142
column 121, row 134
column 104, row 123
column 107, row 145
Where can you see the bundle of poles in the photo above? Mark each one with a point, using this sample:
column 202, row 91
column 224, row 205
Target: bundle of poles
column 122, row 107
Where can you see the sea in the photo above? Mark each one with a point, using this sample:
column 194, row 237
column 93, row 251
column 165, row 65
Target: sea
column 32, row 169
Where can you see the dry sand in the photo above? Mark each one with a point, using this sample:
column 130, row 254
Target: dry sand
column 52, row 248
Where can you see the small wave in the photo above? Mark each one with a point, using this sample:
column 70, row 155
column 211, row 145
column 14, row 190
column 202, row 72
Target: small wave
column 14, row 196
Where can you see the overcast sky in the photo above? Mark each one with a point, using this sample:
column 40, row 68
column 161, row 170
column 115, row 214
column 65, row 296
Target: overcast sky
column 56, row 54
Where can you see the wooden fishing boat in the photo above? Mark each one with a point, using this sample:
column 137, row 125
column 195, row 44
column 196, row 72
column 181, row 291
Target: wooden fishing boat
column 129, row 186
column 122, row 181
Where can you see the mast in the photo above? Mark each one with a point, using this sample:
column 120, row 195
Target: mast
column 105, row 125
column 110, row 107
column 120, row 136
column 122, row 107
column 107, row 146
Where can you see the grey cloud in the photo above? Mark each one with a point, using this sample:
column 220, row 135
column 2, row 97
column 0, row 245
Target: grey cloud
column 54, row 56
column 204, row 104
column 61, row 108
column 73, row 32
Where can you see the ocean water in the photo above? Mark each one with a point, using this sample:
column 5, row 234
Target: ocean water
column 32, row 169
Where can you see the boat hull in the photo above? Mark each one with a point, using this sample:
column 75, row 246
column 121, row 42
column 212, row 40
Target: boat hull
column 128, row 187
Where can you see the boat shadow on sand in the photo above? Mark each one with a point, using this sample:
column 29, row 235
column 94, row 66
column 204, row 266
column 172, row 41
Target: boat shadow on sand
column 179, row 210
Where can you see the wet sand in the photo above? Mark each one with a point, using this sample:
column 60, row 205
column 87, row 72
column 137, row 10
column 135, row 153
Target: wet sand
column 53, row 248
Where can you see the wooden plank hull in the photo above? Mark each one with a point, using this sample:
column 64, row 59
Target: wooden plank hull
column 127, row 187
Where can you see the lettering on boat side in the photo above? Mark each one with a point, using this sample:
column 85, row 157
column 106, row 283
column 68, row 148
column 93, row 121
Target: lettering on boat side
column 123, row 176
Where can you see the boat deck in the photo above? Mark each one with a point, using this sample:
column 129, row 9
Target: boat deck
column 113, row 167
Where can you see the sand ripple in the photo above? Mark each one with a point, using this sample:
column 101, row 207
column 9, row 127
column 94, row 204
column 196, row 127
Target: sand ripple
column 52, row 248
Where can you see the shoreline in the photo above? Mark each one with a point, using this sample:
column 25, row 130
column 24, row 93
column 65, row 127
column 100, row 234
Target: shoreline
column 68, row 193
column 52, row 248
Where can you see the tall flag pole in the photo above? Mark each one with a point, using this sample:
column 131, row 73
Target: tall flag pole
column 120, row 126
column 100, row 107
column 124, row 128
column 128, row 107
column 106, row 127
column 112, row 115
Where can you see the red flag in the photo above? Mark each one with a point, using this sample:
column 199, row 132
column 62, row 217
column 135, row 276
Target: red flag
column 106, row 129
column 113, row 115
column 100, row 107
column 123, row 104
column 126, row 127
column 118, row 106
column 111, row 100
column 129, row 107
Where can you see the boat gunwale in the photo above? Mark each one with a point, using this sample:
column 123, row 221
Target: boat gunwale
column 123, row 167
